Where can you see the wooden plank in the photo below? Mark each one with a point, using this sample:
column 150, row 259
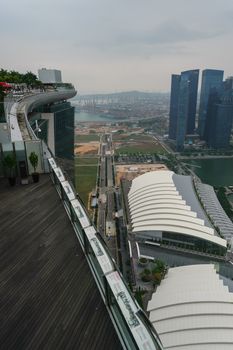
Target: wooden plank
column 48, row 298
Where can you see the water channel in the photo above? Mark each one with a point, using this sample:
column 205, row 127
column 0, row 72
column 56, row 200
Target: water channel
column 215, row 172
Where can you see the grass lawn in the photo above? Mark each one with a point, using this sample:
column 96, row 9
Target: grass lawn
column 86, row 138
column 85, row 176
column 132, row 137
column 85, row 161
column 144, row 147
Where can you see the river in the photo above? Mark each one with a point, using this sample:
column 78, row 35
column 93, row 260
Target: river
column 215, row 172
column 92, row 117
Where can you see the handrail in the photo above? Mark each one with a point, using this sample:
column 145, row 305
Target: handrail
column 133, row 328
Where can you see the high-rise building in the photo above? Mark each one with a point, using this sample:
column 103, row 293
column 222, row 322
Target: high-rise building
column 211, row 79
column 183, row 106
column 219, row 118
column 191, row 76
column 174, row 100
column 56, row 124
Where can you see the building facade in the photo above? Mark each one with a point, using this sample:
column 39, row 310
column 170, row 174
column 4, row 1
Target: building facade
column 174, row 100
column 191, row 76
column 183, row 106
column 49, row 76
column 56, row 124
column 182, row 117
column 211, row 79
column 219, row 118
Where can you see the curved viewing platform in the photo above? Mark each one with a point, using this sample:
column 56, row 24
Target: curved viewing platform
column 18, row 108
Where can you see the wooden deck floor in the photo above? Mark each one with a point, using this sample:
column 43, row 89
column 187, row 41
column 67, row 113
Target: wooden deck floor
column 48, row 298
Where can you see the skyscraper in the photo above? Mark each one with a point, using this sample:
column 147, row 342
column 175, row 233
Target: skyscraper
column 219, row 118
column 191, row 76
column 211, row 78
column 174, row 101
column 183, row 106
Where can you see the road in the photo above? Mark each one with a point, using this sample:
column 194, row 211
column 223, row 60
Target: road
column 106, row 206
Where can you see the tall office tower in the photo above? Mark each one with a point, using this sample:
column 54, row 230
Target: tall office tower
column 192, row 77
column 174, row 100
column 182, row 117
column 183, row 106
column 219, row 118
column 211, row 79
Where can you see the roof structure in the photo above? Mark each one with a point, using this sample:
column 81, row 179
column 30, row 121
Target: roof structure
column 193, row 310
column 159, row 202
column 215, row 210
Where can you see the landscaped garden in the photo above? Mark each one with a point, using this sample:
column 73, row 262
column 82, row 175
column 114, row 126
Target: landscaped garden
column 154, row 271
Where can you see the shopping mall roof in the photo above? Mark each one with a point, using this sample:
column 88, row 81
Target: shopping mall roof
column 215, row 210
column 193, row 309
column 164, row 201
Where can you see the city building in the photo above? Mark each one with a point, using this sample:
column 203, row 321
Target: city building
column 211, row 78
column 165, row 209
column 175, row 87
column 182, row 117
column 49, row 76
column 215, row 211
column 219, row 118
column 192, row 308
column 228, row 84
column 191, row 76
column 54, row 123
column 183, row 103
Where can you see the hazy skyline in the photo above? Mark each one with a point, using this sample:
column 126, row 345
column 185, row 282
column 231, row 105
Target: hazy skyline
column 109, row 45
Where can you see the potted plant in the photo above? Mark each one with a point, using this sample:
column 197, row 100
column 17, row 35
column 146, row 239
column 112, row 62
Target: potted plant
column 9, row 162
column 34, row 162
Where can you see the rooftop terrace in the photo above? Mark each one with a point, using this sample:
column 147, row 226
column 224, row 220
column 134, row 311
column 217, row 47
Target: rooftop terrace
column 48, row 297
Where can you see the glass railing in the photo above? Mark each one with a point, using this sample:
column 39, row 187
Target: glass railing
column 133, row 327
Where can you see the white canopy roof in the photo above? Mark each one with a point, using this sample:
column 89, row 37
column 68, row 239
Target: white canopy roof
column 192, row 309
column 156, row 204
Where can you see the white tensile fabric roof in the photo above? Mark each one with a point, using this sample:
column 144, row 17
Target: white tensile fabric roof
column 193, row 310
column 155, row 204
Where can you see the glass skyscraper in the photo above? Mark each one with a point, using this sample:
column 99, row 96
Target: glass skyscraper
column 219, row 118
column 56, row 123
column 211, row 79
column 174, row 101
column 183, row 106
column 192, row 77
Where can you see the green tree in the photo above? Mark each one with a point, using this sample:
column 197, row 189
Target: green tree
column 33, row 160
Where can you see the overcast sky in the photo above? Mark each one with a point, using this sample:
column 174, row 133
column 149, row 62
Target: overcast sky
column 116, row 45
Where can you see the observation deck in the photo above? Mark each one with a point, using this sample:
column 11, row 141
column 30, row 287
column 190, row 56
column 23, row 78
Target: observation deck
column 60, row 289
column 48, row 296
